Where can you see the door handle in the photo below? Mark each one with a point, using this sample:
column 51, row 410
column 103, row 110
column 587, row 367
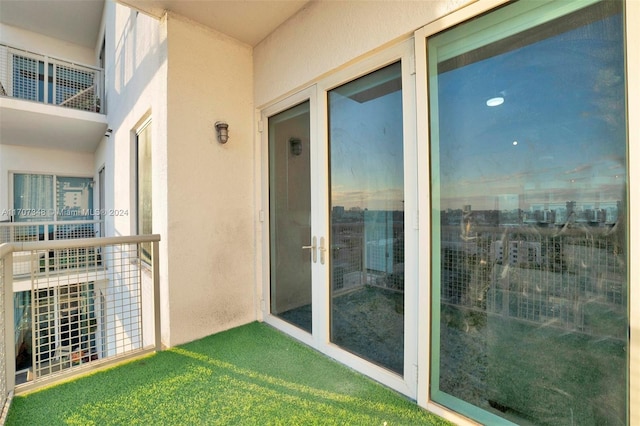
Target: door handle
column 323, row 250
column 312, row 247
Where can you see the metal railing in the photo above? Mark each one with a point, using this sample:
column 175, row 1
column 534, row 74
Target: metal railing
column 40, row 78
column 6, row 350
column 11, row 232
column 568, row 279
column 102, row 307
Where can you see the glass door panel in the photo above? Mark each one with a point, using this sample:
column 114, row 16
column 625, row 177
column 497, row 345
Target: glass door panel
column 367, row 217
column 529, row 184
column 291, row 244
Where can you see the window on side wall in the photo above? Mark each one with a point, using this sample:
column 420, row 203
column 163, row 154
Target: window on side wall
column 144, row 187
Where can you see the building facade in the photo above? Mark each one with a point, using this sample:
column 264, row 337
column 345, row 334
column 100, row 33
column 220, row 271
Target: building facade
column 437, row 194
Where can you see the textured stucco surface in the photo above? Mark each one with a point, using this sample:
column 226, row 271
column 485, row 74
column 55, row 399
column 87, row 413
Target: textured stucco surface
column 325, row 36
column 210, row 233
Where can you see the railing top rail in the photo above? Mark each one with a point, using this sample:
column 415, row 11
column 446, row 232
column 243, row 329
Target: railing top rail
column 5, row 249
column 51, row 222
column 76, row 243
column 53, row 58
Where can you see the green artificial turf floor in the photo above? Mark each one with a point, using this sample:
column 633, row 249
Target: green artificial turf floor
column 251, row 375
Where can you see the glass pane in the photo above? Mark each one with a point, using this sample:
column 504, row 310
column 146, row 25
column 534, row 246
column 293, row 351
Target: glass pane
column 290, row 215
column 367, row 217
column 144, row 189
column 74, row 198
column 33, row 197
column 23, row 332
column 529, row 201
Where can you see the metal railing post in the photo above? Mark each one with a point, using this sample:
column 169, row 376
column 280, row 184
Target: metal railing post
column 156, row 295
column 9, row 333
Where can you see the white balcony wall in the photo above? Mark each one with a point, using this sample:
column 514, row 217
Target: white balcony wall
column 38, row 160
column 210, row 185
column 135, row 75
column 325, row 36
column 39, row 43
column 185, row 77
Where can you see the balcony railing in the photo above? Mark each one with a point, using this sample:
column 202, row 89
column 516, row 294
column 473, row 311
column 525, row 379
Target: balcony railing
column 40, row 78
column 97, row 303
column 52, row 260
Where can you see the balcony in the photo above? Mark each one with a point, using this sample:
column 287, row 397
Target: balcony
column 250, row 375
column 49, row 102
column 98, row 310
column 72, row 302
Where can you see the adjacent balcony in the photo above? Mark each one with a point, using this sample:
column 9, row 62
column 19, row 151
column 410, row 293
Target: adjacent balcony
column 49, row 102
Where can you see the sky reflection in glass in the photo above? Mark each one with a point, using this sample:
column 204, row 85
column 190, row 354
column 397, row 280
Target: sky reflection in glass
column 558, row 136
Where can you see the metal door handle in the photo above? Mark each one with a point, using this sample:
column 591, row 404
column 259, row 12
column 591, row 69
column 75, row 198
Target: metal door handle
column 323, row 250
column 314, row 253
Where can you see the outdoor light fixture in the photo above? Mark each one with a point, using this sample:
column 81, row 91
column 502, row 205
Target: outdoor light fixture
column 108, row 132
column 493, row 102
column 296, row 146
column 223, row 131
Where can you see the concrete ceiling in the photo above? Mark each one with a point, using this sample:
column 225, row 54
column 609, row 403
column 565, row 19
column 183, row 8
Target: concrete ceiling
column 249, row 21
column 58, row 128
column 74, row 21
column 78, row 21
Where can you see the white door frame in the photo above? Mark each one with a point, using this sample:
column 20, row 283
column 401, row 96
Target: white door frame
column 308, row 94
column 317, row 94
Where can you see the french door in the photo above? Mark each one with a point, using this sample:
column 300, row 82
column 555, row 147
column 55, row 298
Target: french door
column 335, row 199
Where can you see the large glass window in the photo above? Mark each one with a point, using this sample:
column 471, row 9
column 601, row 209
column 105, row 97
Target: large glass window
column 529, row 184
column 41, row 197
column 367, row 217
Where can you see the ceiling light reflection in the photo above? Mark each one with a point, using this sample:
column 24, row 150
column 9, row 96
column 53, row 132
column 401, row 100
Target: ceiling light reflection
column 498, row 100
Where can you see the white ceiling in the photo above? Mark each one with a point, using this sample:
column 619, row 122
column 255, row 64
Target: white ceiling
column 249, row 21
column 58, row 128
column 78, row 21
column 74, row 21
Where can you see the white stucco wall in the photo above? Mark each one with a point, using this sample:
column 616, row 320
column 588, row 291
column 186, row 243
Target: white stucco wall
column 327, row 35
column 41, row 44
column 23, row 159
column 136, row 89
column 210, row 186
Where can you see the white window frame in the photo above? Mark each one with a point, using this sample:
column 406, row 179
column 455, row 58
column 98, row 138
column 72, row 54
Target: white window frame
column 55, row 177
column 632, row 33
column 145, row 123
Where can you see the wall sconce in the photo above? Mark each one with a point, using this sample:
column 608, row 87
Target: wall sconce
column 296, row 146
column 223, row 131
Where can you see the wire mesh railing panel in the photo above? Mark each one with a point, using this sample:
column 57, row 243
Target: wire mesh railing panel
column 51, row 260
column 40, row 78
column 347, row 252
column 26, row 78
column 75, row 88
column 4, row 390
column 91, row 314
column 558, row 280
column 4, row 70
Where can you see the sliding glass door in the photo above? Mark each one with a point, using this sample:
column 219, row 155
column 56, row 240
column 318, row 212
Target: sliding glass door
column 529, row 201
